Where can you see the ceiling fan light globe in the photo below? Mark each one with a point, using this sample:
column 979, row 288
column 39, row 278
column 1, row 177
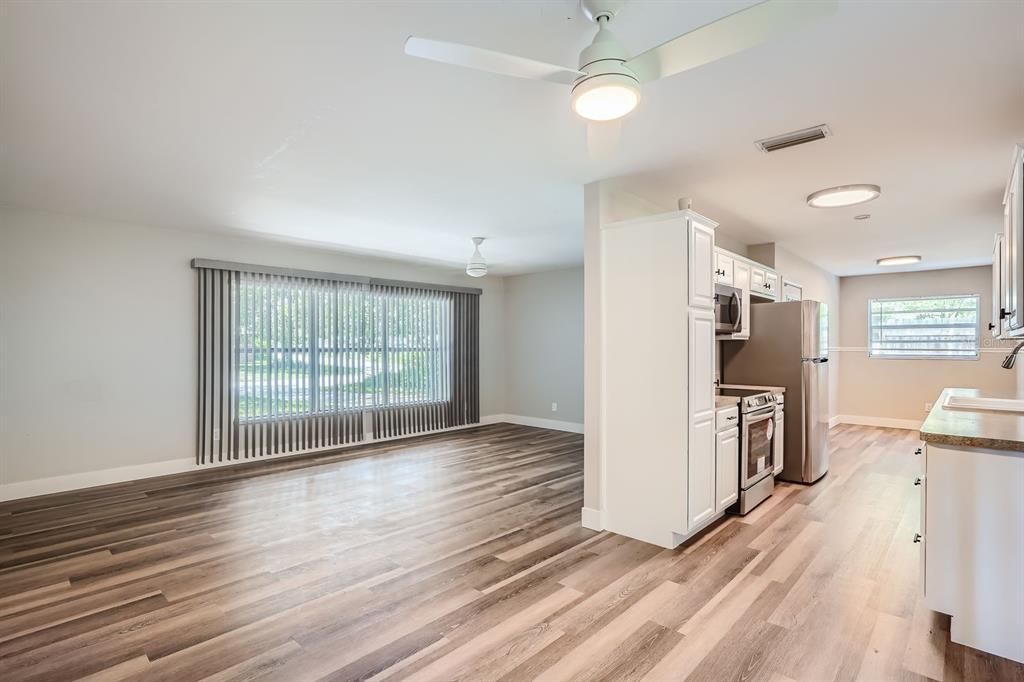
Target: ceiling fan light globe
column 605, row 97
column 476, row 269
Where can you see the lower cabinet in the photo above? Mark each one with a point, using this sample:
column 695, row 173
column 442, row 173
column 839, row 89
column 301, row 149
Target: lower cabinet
column 727, row 468
column 701, row 475
column 971, row 540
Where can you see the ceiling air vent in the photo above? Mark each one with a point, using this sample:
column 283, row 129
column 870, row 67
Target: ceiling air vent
column 772, row 144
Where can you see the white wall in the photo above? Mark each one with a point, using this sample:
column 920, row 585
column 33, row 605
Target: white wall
column 898, row 389
column 98, row 340
column 544, row 345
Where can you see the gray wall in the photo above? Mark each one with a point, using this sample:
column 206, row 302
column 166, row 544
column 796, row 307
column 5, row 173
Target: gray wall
column 544, row 345
column 98, row 341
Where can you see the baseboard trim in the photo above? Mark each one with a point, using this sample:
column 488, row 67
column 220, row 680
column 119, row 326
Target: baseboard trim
column 553, row 424
column 833, row 422
column 91, row 479
column 591, row 518
column 882, row 422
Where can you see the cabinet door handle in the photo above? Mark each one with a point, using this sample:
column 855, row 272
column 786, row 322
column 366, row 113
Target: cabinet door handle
column 917, row 481
column 917, row 537
column 1004, row 314
column 991, row 326
column 917, row 452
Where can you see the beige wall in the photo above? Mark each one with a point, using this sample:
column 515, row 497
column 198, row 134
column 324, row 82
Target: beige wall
column 899, row 389
column 818, row 285
column 97, row 337
column 544, row 345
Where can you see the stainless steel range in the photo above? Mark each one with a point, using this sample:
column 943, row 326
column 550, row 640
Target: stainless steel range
column 757, row 445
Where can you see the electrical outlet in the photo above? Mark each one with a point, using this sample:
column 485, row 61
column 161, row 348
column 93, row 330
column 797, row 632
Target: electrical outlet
column 216, row 434
column 554, row 407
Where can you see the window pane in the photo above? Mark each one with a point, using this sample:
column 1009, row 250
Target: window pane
column 936, row 326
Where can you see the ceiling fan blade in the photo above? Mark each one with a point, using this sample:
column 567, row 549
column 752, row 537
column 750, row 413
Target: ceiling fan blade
column 729, row 35
column 489, row 60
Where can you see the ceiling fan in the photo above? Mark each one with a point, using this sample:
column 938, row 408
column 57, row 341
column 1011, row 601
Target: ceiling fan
column 606, row 86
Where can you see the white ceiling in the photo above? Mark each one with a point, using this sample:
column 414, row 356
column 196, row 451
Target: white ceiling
column 306, row 121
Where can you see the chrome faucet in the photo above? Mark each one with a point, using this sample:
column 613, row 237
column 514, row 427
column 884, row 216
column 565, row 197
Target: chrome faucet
column 1012, row 357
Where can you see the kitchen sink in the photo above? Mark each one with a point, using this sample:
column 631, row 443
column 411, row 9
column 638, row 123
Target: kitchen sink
column 962, row 402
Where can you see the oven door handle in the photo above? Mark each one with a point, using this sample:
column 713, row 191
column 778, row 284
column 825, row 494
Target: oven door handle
column 759, row 415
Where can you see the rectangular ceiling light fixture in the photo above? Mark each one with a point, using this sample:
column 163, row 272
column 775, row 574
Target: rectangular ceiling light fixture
column 797, row 137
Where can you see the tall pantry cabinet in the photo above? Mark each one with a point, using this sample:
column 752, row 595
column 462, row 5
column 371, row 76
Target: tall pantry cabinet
column 657, row 364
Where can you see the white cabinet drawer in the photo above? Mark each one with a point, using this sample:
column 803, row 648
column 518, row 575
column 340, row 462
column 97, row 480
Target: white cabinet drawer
column 727, row 418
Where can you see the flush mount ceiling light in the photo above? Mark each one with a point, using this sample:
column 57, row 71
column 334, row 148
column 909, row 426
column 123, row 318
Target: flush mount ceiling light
column 862, row 216
column 844, row 195
column 898, row 260
column 477, row 266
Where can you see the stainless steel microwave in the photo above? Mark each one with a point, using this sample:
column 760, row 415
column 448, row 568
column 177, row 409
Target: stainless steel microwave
column 728, row 309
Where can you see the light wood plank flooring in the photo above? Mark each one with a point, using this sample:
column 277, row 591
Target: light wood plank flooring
column 460, row 556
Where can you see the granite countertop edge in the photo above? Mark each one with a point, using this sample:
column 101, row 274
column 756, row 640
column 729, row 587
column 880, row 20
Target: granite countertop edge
column 966, row 429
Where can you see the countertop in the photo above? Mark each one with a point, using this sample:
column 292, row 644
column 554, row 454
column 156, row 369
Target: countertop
column 726, row 401
column 746, row 387
column 974, row 429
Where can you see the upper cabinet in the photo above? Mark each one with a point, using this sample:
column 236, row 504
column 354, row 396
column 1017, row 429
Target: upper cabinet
column 998, row 285
column 724, row 265
column 1012, row 258
column 701, row 256
column 764, row 282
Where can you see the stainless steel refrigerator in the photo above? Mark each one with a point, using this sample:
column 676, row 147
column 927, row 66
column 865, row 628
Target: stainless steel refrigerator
column 788, row 347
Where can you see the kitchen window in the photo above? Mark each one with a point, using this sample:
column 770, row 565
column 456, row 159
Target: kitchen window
column 932, row 327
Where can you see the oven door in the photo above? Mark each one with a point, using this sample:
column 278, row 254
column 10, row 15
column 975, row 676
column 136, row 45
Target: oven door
column 757, row 449
column 728, row 309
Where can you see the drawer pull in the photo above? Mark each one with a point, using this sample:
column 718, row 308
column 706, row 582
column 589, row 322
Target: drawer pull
column 732, row 418
column 917, row 537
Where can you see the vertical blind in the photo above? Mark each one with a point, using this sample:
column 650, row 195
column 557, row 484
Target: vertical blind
column 924, row 327
column 289, row 362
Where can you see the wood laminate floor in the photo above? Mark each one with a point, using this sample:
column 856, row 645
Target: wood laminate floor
column 460, row 556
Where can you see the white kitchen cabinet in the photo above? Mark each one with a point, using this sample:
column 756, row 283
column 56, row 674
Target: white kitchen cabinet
column 724, row 268
column 1013, row 248
column 656, row 443
column 702, row 364
column 727, row 463
column 701, row 474
column 995, row 326
column 757, row 279
column 972, row 544
column 701, row 263
column 764, row 282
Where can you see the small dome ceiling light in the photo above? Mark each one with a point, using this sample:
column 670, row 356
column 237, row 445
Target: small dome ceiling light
column 898, row 260
column 477, row 266
column 862, row 216
column 844, row 195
